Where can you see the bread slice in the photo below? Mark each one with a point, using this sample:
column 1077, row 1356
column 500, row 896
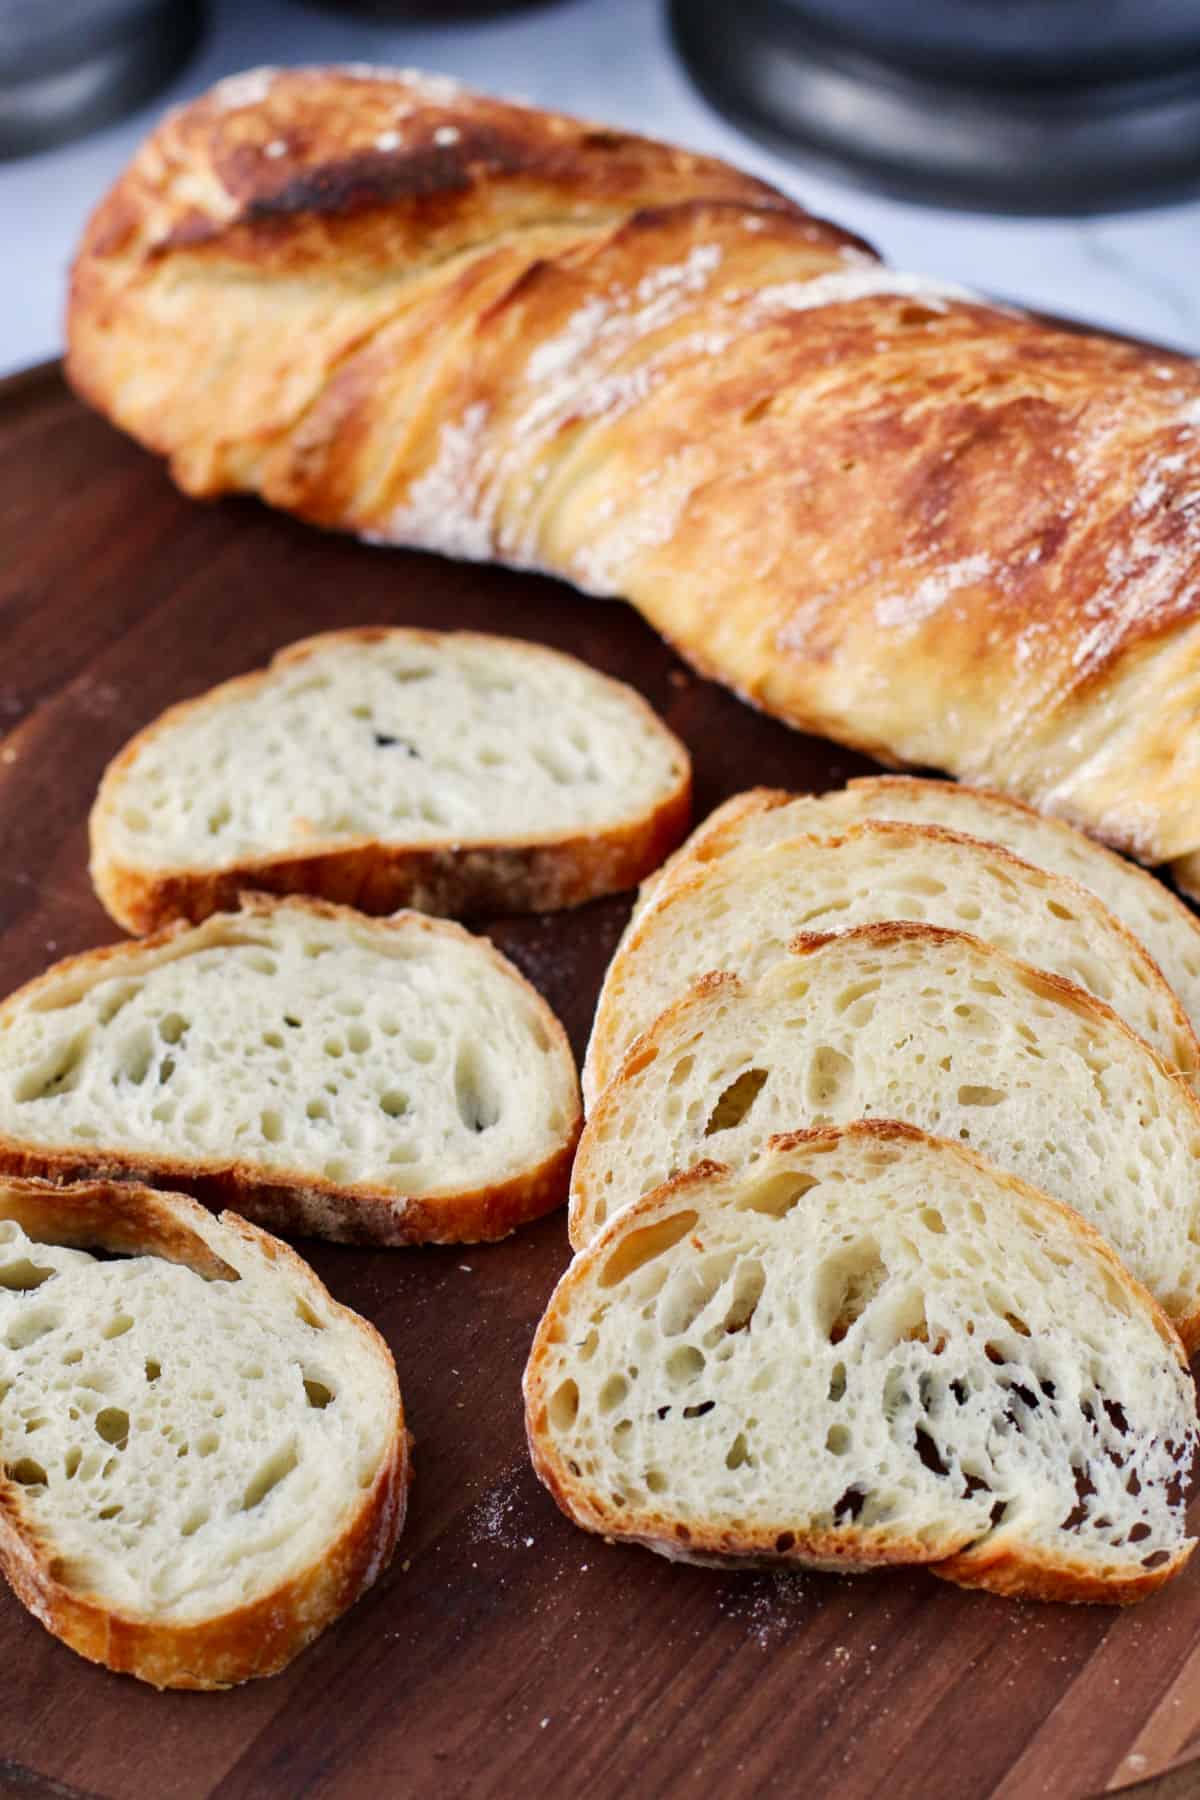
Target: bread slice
column 1167, row 928
column 374, row 1081
column 740, row 912
column 870, row 1347
column 904, row 1021
column 447, row 771
column 204, row 1459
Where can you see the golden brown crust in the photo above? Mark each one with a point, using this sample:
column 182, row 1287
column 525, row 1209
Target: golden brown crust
column 293, row 1200
column 537, row 872
column 263, row 1636
column 943, row 532
column 995, row 1562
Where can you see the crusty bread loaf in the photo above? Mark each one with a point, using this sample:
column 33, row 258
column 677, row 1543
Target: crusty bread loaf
column 1169, row 930
column 904, row 1021
column 880, row 508
column 204, row 1456
column 740, row 912
column 448, row 771
column 869, row 1347
column 376, row 1081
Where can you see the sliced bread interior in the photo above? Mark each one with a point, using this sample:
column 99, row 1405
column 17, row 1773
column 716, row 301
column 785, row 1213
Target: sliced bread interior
column 1167, row 928
column 445, row 770
column 377, row 1081
column 740, row 912
column 869, row 1347
column 204, row 1459
column 905, row 1021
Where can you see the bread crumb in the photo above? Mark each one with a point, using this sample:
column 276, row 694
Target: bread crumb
column 447, row 134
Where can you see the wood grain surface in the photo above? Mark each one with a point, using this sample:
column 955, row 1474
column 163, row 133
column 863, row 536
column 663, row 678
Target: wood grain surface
column 504, row 1652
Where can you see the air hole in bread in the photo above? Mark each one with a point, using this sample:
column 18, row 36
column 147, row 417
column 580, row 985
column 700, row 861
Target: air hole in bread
column 198, row 1516
column 846, row 1285
column 777, row 1195
column 748, row 1283
column 738, row 1454
column 474, row 1094
column 829, row 1074
column 271, row 1125
column 71, row 1461
column 563, row 1406
column 317, row 1109
column 785, row 1541
column 685, row 1364
column 849, row 1505
column 275, row 1469
column 60, row 1076
column 112, row 1425
column 153, row 1368
column 305, row 1313
column 26, row 1472
column 393, row 1103
column 837, row 1381
column 735, row 1102
column 838, row 1440
column 22, row 1276
column 612, row 1393
column 927, row 1450
column 117, row 1326
column 317, row 1393
column 981, row 1096
column 28, row 1327
column 656, row 1481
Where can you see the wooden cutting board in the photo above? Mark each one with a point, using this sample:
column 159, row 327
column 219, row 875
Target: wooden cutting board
column 504, row 1652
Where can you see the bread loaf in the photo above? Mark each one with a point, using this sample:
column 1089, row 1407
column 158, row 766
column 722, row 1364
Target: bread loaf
column 374, row 1081
column 880, row 508
column 740, row 913
column 907, row 1022
column 444, row 770
column 869, row 1347
column 204, row 1458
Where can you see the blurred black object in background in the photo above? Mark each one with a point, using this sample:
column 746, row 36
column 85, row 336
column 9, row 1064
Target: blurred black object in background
column 67, row 66
column 1035, row 106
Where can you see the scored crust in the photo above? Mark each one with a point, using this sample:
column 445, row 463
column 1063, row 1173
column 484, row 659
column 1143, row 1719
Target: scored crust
column 263, row 1636
column 994, row 1563
column 296, row 1201
column 532, row 872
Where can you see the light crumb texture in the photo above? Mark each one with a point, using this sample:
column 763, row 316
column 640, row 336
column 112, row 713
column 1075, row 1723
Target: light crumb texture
column 400, row 740
column 936, row 1029
column 394, row 1073
column 764, row 816
column 739, row 914
column 184, row 1446
column 870, row 1347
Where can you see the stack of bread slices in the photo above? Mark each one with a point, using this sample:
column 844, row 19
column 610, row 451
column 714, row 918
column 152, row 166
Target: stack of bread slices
column 887, row 1209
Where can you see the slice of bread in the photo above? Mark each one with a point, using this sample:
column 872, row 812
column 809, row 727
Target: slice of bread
column 376, row 1081
column 907, row 1022
column 739, row 913
column 870, row 1347
column 447, row 771
column 1167, row 928
column 204, row 1459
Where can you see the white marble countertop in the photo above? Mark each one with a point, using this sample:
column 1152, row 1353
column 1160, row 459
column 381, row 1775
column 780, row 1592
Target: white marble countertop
column 1135, row 272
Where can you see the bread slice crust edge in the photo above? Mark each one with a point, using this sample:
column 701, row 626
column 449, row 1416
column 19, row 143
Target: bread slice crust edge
column 263, row 1636
column 535, row 872
column 991, row 1564
column 295, row 1201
